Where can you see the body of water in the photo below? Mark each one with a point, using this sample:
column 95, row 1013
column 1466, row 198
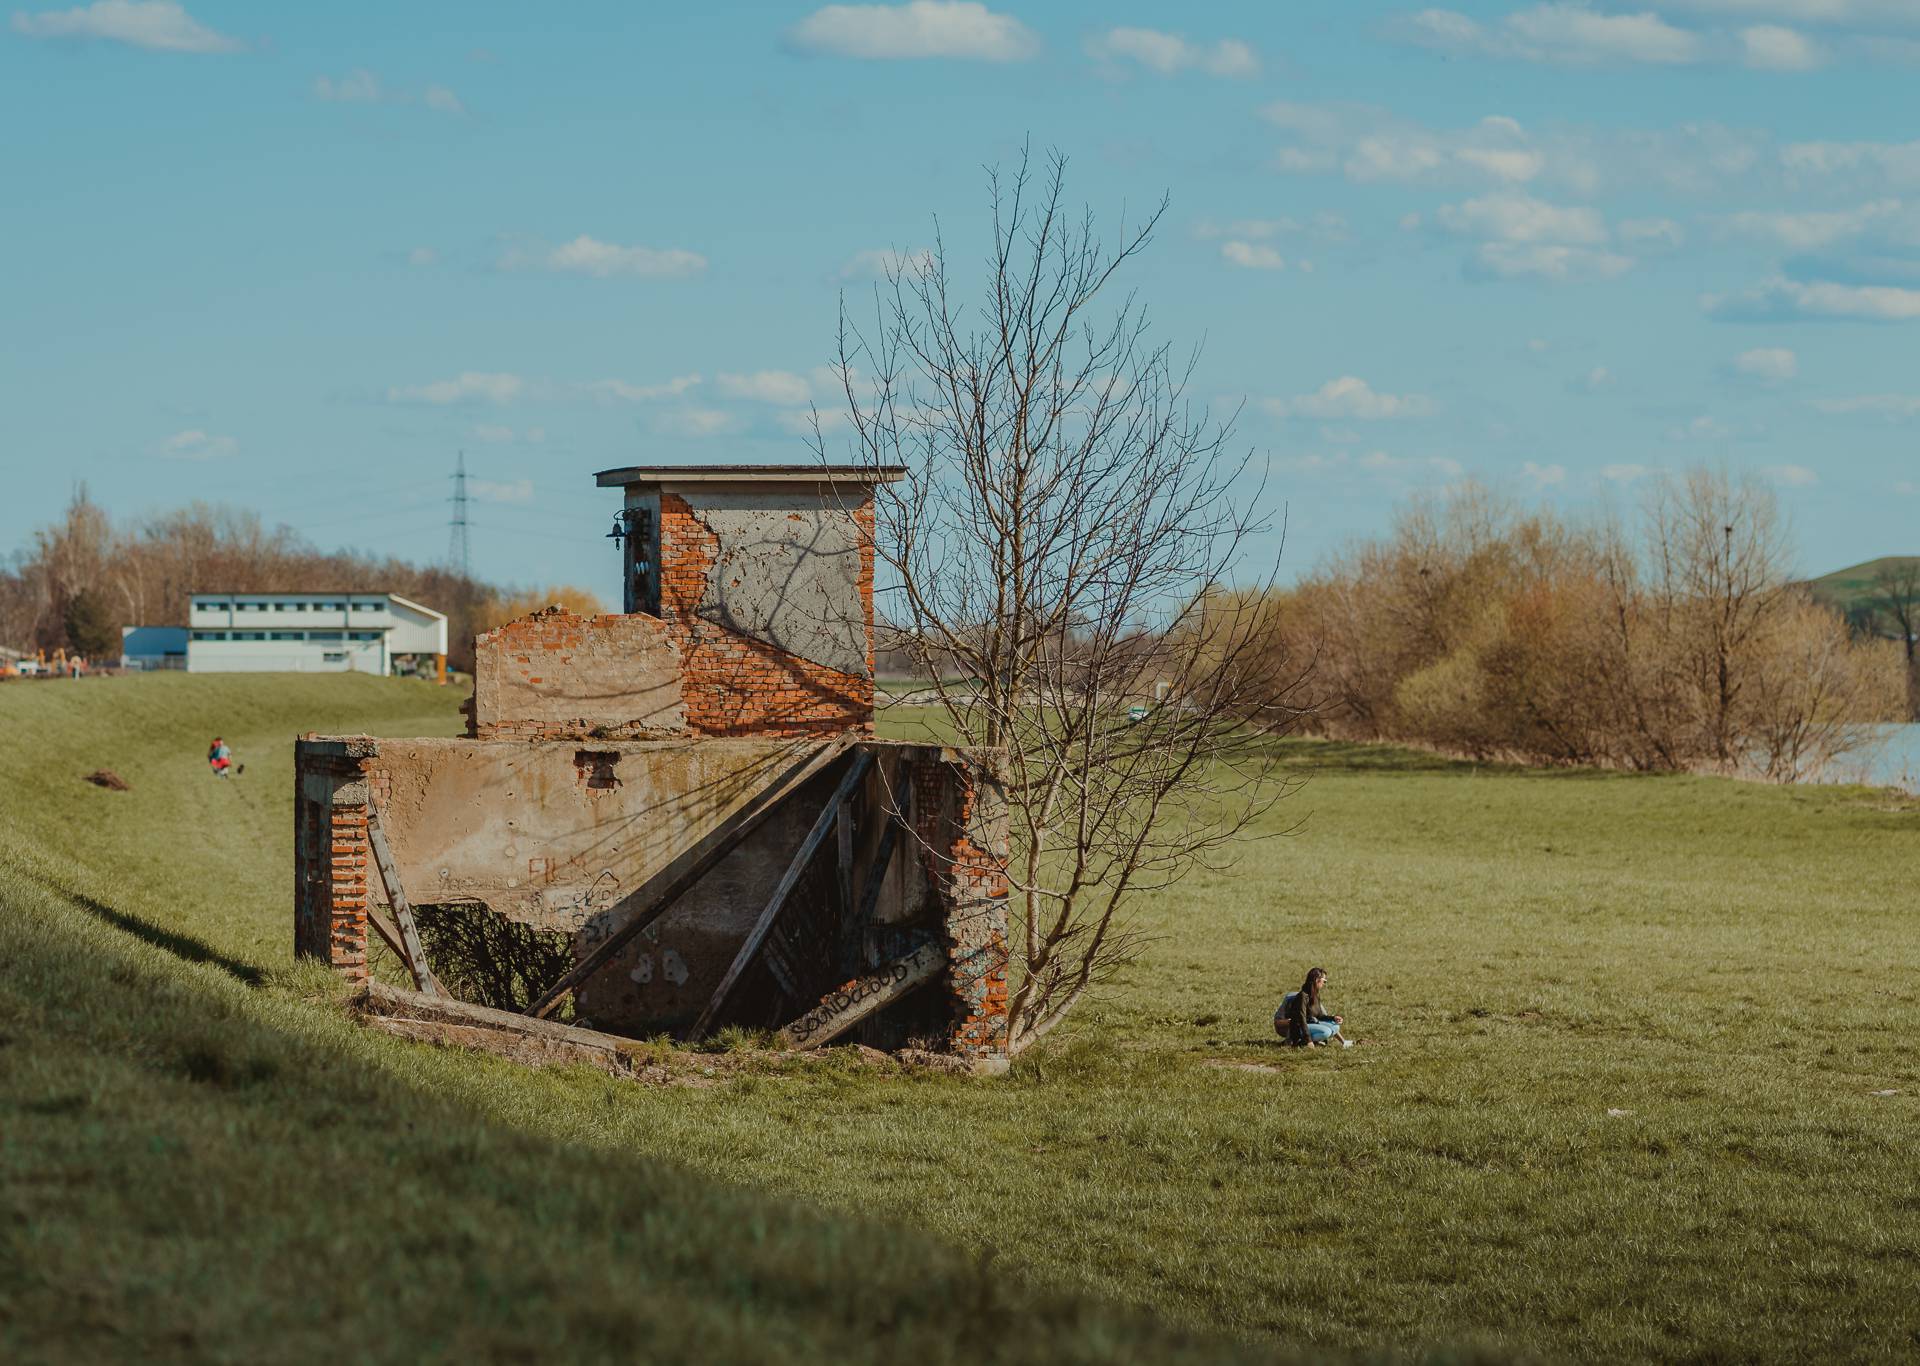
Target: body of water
column 1893, row 762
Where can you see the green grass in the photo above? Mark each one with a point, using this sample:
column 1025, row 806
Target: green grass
column 200, row 1158
column 1854, row 588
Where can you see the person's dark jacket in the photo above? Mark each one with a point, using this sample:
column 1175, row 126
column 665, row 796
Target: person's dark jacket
column 1294, row 1014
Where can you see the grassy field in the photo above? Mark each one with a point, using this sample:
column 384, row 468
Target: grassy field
column 1615, row 1096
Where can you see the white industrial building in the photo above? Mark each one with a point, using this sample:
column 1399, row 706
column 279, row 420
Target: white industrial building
column 374, row 633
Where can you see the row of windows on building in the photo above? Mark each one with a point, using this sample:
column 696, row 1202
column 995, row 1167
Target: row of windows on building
column 222, row 605
column 287, row 635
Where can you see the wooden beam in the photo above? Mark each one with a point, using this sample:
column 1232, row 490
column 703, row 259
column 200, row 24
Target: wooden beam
column 771, row 912
column 846, row 1005
column 853, row 930
column 843, row 860
column 414, row 955
column 388, row 933
column 657, row 895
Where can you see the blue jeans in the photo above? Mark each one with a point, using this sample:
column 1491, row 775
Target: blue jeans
column 1321, row 1030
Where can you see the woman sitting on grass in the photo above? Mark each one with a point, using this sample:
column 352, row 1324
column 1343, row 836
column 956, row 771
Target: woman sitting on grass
column 1301, row 1021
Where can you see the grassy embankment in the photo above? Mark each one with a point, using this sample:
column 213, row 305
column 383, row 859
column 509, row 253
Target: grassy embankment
column 199, row 1158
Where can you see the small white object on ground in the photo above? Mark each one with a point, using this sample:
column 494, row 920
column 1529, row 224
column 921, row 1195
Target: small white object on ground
column 1885, row 1093
column 1618, row 1114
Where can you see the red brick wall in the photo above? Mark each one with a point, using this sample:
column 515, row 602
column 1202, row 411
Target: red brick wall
column 957, row 832
column 331, row 864
column 736, row 685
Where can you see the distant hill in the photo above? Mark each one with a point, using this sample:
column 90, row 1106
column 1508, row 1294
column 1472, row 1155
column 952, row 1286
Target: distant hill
column 1851, row 590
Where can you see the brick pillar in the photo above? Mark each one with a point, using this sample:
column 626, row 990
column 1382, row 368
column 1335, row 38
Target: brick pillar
column 331, row 855
column 960, row 817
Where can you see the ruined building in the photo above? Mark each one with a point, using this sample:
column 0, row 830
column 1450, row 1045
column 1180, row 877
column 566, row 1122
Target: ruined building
column 678, row 818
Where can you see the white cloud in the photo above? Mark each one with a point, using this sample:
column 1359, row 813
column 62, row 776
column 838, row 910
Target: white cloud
column 1806, row 11
column 1702, row 428
column 960, row 29
column 361, row 86
column 1525, row 236
column 1595, row 380
column 423, row 256
column 196, row 444
column 1513, row 260
column 1252, row 256
column 1782, row 298
column 1544, row 476
column 1653, row 233
column 1812, row 230
column 1891, row 164
column 1390, row 470
column 156, row 25
column 1770, row 364
column 765, row 386
column 1768, row 47
column 1168, row 53
column 1517, row 217
column 1323, row 226
column 514, row 491
column 698, row 423
column 879, row 263
column 1624, row 474
column 1368, row 144
column 602, row 260
column 1791, row 476
column 1350, row 397
column 471, row 386
column 639, row 393
column 358, row 86
column 1566, row 33
column 1893, row 407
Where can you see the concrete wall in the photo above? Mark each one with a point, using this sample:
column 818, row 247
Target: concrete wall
column 566, row 835
column 557, row 675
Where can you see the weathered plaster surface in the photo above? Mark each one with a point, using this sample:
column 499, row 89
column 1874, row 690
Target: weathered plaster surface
column 787, row 575
column 553, row 673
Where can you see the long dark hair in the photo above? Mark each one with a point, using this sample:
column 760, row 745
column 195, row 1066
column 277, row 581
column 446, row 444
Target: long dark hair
column 1310, row 989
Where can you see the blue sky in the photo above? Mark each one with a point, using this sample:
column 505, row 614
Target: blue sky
column 296, row 258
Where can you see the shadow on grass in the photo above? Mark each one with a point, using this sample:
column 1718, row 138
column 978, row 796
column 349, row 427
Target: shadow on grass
column 172, row 941
column 509, row 1241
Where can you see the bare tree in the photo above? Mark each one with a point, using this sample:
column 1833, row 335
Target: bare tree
column 1719, row 555
column 1896, row 603
column 1058, row 542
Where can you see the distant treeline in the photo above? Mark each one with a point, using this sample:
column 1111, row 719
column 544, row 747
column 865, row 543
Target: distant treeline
column 84, row 577
column 1672, row 639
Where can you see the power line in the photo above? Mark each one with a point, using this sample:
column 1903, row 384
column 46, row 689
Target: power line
column 457, row 548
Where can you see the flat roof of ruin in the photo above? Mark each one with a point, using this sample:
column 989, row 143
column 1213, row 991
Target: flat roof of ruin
column 749, row 474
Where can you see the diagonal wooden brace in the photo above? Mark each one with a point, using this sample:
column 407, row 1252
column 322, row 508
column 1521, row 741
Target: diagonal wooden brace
column 411, row 952
column 657, row 897
column 848, row 1004
column 829, row 815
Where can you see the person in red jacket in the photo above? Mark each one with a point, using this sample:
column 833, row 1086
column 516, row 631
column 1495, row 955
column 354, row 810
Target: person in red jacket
column 219, row 758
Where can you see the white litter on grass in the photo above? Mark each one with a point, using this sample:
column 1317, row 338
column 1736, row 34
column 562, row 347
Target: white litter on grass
column 1618, row 1114
column 1883, row 1093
